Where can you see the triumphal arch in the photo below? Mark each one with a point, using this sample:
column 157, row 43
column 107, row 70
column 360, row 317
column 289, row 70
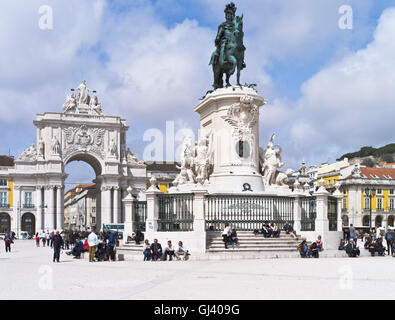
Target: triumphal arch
column 81, row 132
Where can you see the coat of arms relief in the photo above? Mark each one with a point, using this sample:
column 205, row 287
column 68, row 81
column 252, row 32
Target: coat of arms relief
column 83, row 138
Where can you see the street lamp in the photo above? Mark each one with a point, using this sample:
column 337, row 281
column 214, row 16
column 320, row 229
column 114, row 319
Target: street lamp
column 370, row 192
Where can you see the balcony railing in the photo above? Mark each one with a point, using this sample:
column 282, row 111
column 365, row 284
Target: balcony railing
column 28, row 205
column 4, row 205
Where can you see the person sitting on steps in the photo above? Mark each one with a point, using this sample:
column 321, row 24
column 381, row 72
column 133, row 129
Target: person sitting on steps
column 181, row 251
column 233, row 238
column 226, row 235
column 351, row 249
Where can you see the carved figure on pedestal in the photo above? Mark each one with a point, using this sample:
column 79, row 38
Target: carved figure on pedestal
column 71, row 102
column 83, row 96
column 95, row 105
column 41, row 148
column 29, row 154
column 113, row 148
column 229, row 52
column 271, row 162
column 55, row 145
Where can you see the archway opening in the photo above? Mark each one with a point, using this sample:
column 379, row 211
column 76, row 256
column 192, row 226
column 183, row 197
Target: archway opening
column 5, row 222
column 390, row 221
column 81, row 208
column 365, row 221
column 378, row 221
column 29, row 223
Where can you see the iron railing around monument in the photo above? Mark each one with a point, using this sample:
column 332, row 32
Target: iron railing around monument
column 245, row 212
column 309, row 213
column 332, row 213
column 175, row 212
column 140, row 214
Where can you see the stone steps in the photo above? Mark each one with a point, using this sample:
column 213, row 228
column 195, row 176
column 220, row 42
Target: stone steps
column 248, row 242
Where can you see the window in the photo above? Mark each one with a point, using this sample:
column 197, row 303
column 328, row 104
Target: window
column 344, row 203
column 93, row 220
column 391, row 191
column 329, row 182
column 379, row 203
column 3, row 199
column 379, row 191
column 28, row 199
column 93, row 209
column 391, row 204
column 93, row 199
column 3, row 182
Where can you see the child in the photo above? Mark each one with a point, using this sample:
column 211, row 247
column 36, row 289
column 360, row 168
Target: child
column 319, row 243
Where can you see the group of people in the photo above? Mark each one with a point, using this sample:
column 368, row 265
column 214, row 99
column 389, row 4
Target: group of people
column 373, row 242
column 155, row 252
column 311, row 251
column 229, row 236
column 101, row 246
column 270, row 230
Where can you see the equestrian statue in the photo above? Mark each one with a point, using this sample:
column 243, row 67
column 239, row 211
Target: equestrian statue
column 229, row 52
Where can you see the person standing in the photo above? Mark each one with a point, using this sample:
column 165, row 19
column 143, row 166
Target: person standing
column 111, row 245
column 47, row 238
column 389, row 238
column 57, row 243
column 353, row 234
column 226, row 235
column 8, row 241
column 37, row 240
column 43, row 239
column 92, row 242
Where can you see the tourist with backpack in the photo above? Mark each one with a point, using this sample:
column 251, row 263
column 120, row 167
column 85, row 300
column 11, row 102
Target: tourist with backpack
column 8, row 241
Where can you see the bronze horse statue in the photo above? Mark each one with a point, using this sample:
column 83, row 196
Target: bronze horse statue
column 229, row 54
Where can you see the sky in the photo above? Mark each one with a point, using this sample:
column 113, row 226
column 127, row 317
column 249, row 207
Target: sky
column 329, row 89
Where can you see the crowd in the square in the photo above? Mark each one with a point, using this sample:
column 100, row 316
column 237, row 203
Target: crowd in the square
column 372, row 241
column 100, row 246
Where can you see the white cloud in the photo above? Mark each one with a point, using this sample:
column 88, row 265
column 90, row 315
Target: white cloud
column 350, row 103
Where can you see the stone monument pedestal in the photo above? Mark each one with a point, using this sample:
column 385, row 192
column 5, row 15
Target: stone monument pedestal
column 229, row 118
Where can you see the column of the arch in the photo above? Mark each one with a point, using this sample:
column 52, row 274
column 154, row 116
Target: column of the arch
column 116, row 205
column 122, row 207
column 59, row 208
column 105, row 205
column 98, row 207
column 50, row 210
column 39, row 206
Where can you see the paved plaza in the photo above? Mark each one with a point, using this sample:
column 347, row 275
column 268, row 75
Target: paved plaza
column 29, row 273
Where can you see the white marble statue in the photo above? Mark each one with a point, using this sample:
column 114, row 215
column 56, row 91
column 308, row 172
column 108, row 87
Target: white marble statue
column 95, row 105
column 201, row 161
column 113, row 148
column 83, row 95
column 196, row 164
column 71, row 102
column 40, row 151
column 29, row 154
column 55, row 145
column 272, row 162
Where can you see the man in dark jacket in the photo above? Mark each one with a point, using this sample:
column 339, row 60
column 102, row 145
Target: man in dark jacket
column 111, row 245
column 379, row 248
column 57, row 243
column 351, row 249
column 155, row 250
column 389, row 238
